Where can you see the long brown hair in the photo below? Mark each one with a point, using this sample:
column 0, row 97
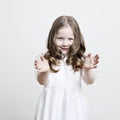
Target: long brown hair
column 76, row 52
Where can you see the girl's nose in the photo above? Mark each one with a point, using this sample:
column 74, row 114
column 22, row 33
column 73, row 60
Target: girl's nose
column 65, row 42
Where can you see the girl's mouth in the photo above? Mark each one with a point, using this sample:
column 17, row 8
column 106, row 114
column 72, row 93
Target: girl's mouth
column 65, row 49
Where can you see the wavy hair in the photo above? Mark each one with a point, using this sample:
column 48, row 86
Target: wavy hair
column 76, row 51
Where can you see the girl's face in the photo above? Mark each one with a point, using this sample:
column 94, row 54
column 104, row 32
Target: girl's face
column 64, row 39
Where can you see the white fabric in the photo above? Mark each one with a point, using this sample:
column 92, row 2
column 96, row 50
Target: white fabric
column 62, row 97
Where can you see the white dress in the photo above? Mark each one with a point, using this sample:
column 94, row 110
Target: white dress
column 62, row 97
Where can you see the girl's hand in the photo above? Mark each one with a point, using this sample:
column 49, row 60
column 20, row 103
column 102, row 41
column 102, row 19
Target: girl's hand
column 42, row 65
column 90, row 61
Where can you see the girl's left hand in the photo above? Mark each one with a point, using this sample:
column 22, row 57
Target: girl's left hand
column 90, row 61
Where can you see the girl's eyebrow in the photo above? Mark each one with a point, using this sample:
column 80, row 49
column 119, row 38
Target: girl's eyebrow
column 70, row 38
column 59, row 37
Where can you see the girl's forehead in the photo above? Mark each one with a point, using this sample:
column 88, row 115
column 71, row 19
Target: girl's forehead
column 65, row 28
column 65, row 32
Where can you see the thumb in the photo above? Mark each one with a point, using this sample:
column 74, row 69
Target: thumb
column 42, row 58
column 89, row 55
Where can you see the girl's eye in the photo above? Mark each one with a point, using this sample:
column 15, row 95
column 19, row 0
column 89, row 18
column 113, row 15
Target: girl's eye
column 71, row 39
column 60, row 38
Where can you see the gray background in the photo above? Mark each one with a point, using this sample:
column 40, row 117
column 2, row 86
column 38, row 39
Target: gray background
column 24, row 26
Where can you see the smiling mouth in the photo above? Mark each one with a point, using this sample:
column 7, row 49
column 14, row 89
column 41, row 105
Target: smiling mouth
column 66, row 49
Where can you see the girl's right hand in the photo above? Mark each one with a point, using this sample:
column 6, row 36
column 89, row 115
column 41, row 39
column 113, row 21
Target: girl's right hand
column 42, row 65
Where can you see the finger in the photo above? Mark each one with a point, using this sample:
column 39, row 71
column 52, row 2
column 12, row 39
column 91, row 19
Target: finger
column 35, row 61
column 96, row 60
column 36, row 67
column 97, row 56
column 93, row 67
column 35, row 64
column 42, row 58
column 39, row 70
column 95, row 63
column 89, row 55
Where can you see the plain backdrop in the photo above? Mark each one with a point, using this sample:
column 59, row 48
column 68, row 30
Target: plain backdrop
column 24, row 27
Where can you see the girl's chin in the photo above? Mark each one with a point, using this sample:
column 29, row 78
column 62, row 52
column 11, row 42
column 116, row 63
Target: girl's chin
column 64, row 53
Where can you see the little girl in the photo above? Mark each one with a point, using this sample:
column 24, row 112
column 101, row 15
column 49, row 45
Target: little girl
column 61, row 70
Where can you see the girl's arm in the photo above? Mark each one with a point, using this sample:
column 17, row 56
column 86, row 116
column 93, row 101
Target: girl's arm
column 43, row 69
column 88, row 71
column 42, row 77
column 89, row 76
